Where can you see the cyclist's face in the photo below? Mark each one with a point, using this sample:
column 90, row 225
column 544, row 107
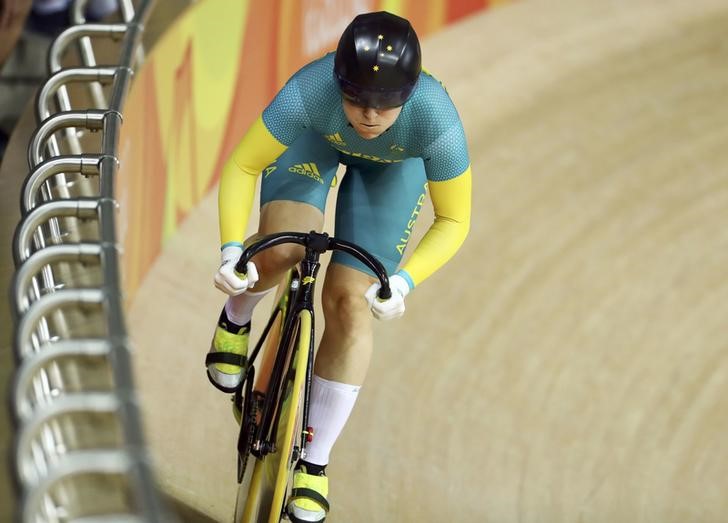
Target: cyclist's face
column 367, row 121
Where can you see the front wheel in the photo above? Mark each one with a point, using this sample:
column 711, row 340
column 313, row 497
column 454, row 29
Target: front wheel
column 254, row 496
column 270, row 482
column 289, row 439
column 248, row 424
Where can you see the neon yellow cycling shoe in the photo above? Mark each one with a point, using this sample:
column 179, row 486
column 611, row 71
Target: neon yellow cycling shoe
column 308, row 503
column 226, row 359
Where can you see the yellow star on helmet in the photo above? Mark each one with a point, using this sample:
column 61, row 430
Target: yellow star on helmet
column 381, row 37
column 389, row 48
column 376, row 68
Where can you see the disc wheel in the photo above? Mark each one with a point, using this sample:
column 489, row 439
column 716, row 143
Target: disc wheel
column 248, row 425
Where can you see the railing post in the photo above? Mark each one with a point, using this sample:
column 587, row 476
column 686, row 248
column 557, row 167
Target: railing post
column 56, row 449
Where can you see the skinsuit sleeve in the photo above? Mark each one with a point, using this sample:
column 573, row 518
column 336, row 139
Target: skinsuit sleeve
column 451, row 202
column 447, row 165
column 256, row 150
column 270, row 135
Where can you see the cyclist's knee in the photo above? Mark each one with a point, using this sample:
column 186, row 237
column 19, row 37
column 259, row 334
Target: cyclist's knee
column 279, row 258
column 345, row 305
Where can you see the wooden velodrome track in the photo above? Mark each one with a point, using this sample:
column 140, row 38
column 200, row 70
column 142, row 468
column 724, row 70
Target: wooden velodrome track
column 571, row 363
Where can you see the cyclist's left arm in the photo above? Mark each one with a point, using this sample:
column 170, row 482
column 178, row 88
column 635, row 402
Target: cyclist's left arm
column 451, row 201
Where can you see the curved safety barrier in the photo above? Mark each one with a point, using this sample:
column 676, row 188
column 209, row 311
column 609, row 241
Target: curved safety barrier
column 79, row 449
column 95, row 189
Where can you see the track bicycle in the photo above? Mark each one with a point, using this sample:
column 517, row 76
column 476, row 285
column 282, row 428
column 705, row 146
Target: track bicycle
column 273, row 413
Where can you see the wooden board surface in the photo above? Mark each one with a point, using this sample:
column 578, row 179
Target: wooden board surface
column 571, row 363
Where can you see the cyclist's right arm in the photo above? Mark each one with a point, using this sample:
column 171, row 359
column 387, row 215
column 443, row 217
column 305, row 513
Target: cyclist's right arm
column 281, row 123
column 256, row 150
column 284, row 120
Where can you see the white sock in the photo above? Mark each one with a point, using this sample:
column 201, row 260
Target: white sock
column 330, row 405
column 239, row 309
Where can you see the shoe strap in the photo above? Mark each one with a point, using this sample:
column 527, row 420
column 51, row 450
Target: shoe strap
column 311, row 494
column 225, row 357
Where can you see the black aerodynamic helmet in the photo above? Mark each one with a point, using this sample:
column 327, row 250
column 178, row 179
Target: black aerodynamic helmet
column 378, row 60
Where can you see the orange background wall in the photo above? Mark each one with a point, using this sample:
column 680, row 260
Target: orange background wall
column 208, row 78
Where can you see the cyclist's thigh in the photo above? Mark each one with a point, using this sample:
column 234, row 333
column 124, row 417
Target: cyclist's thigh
column 303, row 173
column 285, row 215
column 377, row 207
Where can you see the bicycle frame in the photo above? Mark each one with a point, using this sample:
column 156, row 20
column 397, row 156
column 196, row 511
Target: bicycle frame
column 301, row 300
column 315, row 245
column 297, row 334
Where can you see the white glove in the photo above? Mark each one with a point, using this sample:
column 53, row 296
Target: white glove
column 227, row 279
column 394, row 306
